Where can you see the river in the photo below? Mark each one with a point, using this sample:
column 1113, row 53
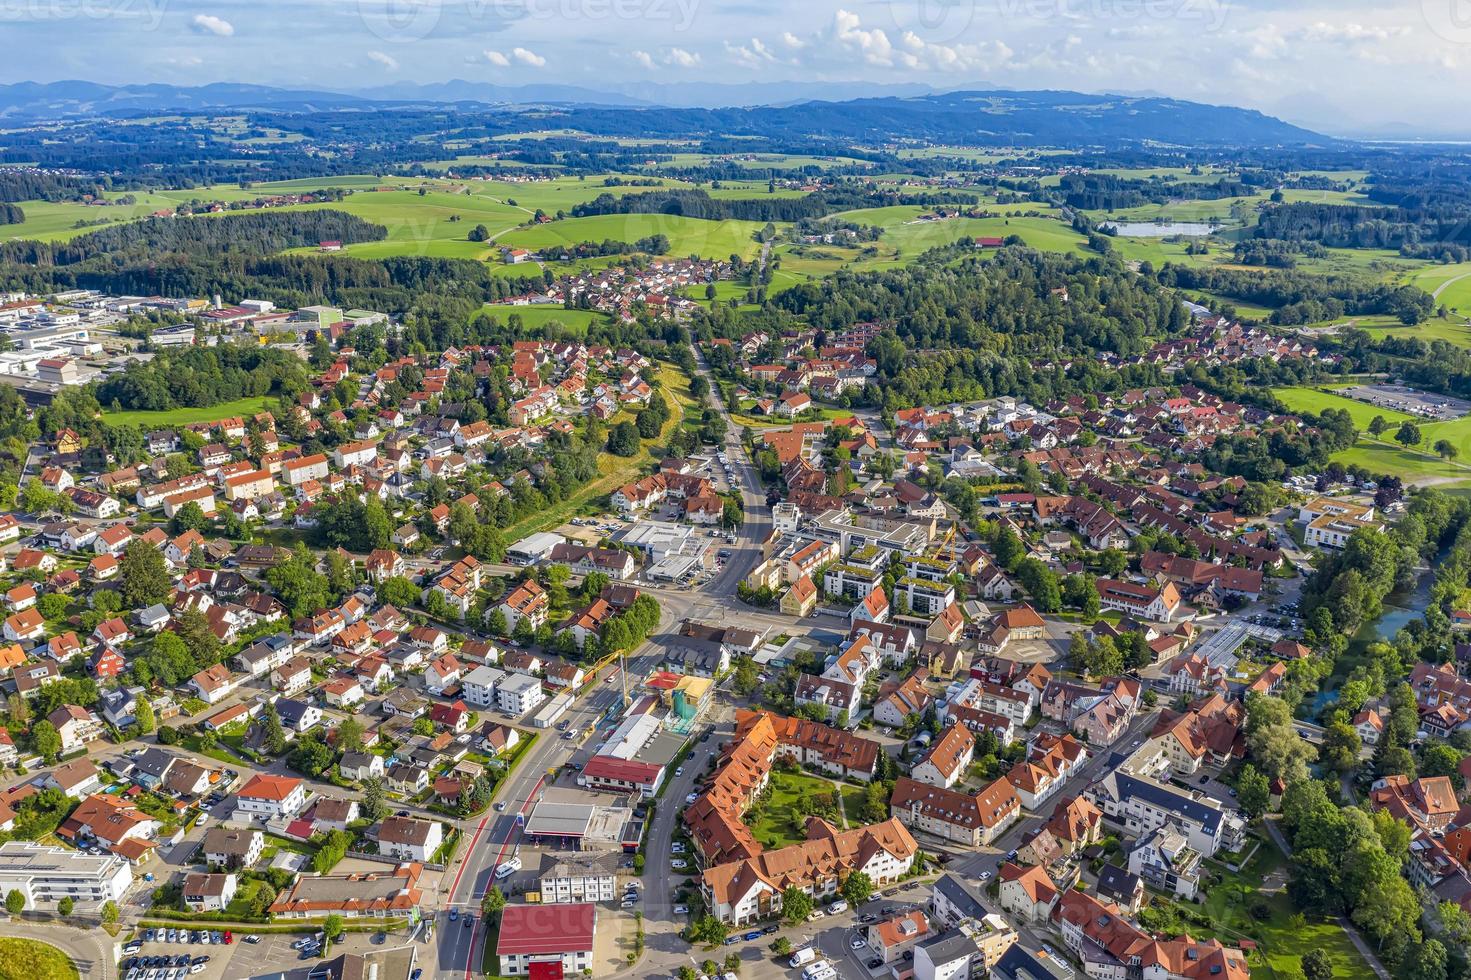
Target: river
column 1399, row 608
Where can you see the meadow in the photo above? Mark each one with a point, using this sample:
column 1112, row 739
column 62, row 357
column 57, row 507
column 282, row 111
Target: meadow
column 687, row 236
column 1315, row 400
column 183, row 416
column 574, row 322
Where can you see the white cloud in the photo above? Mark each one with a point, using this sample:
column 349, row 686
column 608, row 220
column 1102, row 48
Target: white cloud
column 752, row 55
column 680, row 58
column 528, row 57
column 497, row 59
column 386, row 60
column 184, row 61
column 210, row 24
column 872, row 44
column 644, row 59
column 792, row 41
column 912, row 52
column 1349, row 33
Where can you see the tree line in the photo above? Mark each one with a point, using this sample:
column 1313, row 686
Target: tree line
column 699, row 204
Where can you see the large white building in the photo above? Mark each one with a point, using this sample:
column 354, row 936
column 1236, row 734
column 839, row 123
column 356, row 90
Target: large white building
column 518, row 694
column 1142, row 805
column 478, row 687
column 49, row 874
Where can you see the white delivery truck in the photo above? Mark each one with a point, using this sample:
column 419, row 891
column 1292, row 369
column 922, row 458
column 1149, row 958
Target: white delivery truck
column 801, row 956
column 507, row 869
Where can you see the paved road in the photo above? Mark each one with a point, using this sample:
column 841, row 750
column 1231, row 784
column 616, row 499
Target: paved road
column 458, row 952
column 90, row 949
column 991, row 858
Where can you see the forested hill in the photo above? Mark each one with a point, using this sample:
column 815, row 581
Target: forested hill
column 1043, row 118
column 1018, row 118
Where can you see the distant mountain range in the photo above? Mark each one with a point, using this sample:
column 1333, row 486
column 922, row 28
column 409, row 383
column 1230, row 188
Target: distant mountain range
column 777, row 109
column 1016, row 118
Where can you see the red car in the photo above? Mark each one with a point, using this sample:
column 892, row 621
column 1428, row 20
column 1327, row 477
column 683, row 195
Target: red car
column 228, row 938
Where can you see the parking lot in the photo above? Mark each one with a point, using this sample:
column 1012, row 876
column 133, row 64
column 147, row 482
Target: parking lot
column 165, row 954
column 1401, row 398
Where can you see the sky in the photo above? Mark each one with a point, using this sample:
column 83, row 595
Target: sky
column 1354, row 67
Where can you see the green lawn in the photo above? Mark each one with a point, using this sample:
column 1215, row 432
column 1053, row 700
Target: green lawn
column 1419, row 464
column 31, row 959
column 1282, row 937
column 852, row 797
column 183, row 416
column 779, row 823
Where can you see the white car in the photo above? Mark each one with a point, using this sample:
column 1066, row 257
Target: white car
column 857, row 942
column 690, row 798
column 817, row 914
column 681, row 910
column 985, row 875
column 677, row 847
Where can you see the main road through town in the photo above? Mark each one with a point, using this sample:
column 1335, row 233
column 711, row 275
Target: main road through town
column 457, row 951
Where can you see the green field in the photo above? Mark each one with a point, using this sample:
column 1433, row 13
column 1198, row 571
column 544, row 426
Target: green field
column 436, row 224
column 31, row 959
column 1452, row 329
column 1419, row 464
column 575, row 322
column 183, row 416
column 1284, row 936
column 1420, row 468
column 1315, row 401
column 687, row 236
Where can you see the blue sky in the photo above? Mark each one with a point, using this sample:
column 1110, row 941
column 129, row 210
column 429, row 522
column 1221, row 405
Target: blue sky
column 1355, row 65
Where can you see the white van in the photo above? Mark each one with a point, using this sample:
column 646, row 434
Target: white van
column 819, row 969
column 803, row 955
column 507, row 869
column 837, row 907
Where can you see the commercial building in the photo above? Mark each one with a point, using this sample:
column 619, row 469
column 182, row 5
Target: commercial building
column 558, row 934
column 378, row 894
